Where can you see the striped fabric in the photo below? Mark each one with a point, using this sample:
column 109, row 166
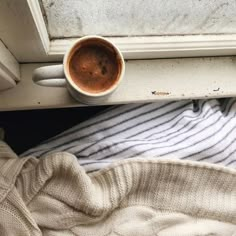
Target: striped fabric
column 203, row 130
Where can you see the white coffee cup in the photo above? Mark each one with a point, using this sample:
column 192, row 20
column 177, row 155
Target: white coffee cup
column 61, row 75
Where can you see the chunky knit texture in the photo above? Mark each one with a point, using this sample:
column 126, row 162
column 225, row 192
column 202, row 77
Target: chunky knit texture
column 54, row 196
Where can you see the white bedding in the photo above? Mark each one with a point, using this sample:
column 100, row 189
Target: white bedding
column 203, row 130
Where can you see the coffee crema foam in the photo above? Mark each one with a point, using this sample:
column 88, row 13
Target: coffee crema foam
column 94, row 68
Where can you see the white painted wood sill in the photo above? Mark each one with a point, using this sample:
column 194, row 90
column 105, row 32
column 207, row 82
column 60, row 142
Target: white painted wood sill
column 145, row 81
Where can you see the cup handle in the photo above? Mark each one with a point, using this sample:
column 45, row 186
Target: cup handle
column 50, row 76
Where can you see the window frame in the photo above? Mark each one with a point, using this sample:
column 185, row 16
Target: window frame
column 148, row 47
column 45, row 50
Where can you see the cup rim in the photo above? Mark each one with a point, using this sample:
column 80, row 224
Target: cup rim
column 76, row 87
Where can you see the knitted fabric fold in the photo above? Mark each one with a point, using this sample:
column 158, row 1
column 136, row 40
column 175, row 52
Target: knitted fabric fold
column 54, row 196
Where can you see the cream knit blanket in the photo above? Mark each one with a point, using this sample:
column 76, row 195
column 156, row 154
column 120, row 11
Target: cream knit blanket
column 54, row 196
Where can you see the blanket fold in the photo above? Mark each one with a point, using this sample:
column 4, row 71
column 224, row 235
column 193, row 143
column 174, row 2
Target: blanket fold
column 54, row 196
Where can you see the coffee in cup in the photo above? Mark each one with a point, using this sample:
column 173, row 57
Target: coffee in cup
column 94, row 67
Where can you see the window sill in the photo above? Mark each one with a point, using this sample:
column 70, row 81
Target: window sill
column 145, row 81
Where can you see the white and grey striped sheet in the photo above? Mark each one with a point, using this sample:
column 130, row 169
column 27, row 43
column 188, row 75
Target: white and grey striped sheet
column 203, row 130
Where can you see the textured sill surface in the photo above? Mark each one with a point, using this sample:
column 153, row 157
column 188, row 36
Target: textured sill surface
column 145, row 81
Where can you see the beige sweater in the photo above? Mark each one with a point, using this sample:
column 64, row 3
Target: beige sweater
column 54, row 196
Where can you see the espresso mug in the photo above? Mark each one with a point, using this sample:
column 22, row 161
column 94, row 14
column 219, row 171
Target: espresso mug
column 92, row 69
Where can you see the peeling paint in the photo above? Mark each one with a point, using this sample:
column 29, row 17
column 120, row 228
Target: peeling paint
column 160, row 93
